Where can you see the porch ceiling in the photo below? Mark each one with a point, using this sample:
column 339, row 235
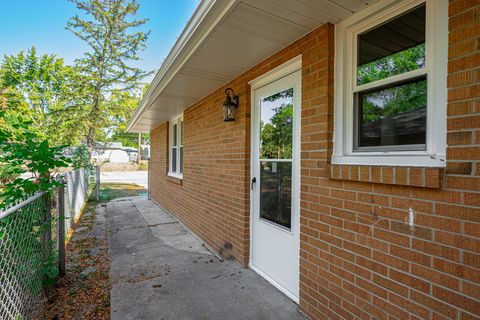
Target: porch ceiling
column 225, row 38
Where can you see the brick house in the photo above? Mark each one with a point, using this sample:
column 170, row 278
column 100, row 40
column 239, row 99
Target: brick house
column 350, row 175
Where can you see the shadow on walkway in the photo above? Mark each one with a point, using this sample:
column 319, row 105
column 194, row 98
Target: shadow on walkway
column 160, row 271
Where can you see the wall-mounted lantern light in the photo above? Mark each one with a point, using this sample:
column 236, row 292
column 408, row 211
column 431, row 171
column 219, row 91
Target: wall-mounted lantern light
column 230, row 105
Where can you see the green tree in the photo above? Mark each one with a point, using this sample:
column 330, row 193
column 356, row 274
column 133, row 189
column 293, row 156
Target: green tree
column 45, row 90
column 23, row 151
column 396, row 99
column 120, row 106
column 396, row 63
column 277, row 134
column 108, row 28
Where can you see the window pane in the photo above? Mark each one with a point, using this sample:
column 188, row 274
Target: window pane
column 395, row 47
column 174, row 132
column 276, row 192
column 276, row 125
column 393, row 116
column 174, row 159
column 181, row 159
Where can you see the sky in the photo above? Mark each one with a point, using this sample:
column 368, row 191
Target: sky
column 41, row 23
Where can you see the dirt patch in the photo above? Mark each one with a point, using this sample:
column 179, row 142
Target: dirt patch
column 84, row 292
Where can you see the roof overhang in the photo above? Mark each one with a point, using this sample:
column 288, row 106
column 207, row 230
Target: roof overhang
column 223, row 39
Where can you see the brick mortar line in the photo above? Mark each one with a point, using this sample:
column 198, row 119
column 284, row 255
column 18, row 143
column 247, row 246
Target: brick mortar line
column 461, row 12
column 451, row 100
column 464, row 83
column 458, row 146
column 463, row 116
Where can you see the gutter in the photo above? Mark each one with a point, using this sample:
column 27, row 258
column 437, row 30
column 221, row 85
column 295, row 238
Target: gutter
column 206, row 17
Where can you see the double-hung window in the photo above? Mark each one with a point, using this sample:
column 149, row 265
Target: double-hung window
column 175, row 148
column 391, row 85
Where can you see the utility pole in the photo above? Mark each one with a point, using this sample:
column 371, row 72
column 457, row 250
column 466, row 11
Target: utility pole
column 139, row 157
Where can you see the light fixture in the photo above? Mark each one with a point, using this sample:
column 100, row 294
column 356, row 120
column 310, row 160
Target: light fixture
column 230, row 105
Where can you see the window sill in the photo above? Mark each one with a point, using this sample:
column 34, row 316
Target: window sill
column 175, row 178
column 388, row 159
column 426, row 177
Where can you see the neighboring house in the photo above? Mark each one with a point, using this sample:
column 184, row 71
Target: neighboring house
column 115, row 152
column 102, row 151
column 131, row 152
column 350, row 176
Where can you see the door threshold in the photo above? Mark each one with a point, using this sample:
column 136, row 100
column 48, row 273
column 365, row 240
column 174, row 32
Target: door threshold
column 277, row 285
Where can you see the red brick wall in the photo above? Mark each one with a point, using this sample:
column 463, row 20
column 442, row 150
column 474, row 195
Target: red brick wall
column 350, row 270
column 358, row 258
column 213, row 197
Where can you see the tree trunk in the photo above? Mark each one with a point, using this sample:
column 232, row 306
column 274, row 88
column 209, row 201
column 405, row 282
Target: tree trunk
column 93, row 115
column 90, row 137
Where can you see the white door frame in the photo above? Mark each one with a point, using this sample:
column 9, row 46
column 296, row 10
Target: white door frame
column 277, row 73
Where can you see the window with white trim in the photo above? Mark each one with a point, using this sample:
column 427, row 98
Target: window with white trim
column 175, row 148
column 391, row 85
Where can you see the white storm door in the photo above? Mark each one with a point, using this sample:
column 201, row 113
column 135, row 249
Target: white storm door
column 275, row 216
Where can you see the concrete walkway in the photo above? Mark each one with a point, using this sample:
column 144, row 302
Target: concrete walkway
column 160, row 271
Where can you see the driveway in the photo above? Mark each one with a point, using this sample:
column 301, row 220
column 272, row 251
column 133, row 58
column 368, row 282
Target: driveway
column 137, row 177
column 161, row 271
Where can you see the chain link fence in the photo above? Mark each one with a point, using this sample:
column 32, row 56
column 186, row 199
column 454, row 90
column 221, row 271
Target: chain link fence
column 78, row 187
column 30, row 242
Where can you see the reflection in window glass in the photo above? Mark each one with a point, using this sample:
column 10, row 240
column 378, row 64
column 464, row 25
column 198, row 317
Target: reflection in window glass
column 276, row 192
column 181, row 159
column 393, row 116
column 277, row 125
column 174, row 160
column 392, row 48
column 175, row 134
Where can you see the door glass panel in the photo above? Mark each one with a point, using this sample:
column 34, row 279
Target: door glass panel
column 276, row 136
column 276, row 125
column 276, row 192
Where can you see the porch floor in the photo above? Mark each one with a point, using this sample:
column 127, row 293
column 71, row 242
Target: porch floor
column 161, row 271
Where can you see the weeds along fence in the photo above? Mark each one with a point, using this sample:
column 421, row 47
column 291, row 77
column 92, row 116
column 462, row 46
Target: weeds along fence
column 32, row 245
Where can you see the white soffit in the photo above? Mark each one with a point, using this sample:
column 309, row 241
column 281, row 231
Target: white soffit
column 225, row 38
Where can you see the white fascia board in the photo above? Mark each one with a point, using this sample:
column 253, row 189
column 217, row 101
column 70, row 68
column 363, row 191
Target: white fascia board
column 206, row 17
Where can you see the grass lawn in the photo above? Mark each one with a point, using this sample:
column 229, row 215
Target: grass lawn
column 110, row 191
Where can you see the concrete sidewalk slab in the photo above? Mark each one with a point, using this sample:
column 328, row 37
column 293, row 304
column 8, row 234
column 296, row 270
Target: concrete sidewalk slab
column 161, row 271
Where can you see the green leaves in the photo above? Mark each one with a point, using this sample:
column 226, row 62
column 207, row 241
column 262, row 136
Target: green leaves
column 68, row 104
column 22, row 151
column 108, row 28
column 43, row 89
column 397, row 63
column 80, row 157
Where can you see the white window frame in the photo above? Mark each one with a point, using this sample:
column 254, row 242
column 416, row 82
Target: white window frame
column 178, row 173
column 436, row 59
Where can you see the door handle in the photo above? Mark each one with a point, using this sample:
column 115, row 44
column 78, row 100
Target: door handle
column 254, row 180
